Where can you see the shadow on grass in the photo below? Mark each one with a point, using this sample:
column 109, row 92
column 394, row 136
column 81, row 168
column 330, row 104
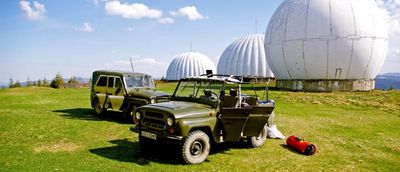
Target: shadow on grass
column 225, row 147
column 127, row 151
column 89, row 115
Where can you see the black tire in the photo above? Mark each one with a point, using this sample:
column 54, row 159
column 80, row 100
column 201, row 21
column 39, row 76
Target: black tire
column 127, row 113
column 196, row 147
column 256, row 142
column 98, row 108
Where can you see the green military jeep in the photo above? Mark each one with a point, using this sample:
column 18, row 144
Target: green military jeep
column 123, row 91
column 203, row 110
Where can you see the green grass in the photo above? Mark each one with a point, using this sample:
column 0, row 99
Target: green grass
column 45, row 129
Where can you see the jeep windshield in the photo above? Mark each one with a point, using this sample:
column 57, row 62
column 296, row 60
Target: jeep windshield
column 200, row 91
column 139, row 81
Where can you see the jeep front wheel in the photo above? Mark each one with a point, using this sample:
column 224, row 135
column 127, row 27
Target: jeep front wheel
column 260, row 140
column 196, row 147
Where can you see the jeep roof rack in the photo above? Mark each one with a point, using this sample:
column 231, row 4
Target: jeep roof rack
column 241, row 79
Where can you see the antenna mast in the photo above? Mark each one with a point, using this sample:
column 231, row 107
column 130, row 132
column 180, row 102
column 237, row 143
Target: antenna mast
column 132, row 65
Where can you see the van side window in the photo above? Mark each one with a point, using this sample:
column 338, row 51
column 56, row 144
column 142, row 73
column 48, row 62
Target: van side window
column 110, row 82
column 117, row 82
column 102, row 81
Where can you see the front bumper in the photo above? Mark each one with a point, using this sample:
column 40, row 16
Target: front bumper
column 138, row 130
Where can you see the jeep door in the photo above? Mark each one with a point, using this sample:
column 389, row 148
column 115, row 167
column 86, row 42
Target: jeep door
column 257, row 119
column 234, row 120
column 115, row 91
column 248, row 121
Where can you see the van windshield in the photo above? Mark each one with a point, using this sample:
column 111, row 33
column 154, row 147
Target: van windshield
column 139, row 81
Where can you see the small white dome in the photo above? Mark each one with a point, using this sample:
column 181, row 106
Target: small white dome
column 245, row 57
column 189, row 64
column 326, row 39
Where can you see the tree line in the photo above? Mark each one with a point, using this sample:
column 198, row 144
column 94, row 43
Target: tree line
column 56, row 82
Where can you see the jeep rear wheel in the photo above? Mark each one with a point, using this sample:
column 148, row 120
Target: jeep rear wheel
column 98, row 108
column 196, row 147
column 256, row 142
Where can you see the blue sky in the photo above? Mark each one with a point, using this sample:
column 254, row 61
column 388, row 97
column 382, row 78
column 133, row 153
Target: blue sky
column 74, row 38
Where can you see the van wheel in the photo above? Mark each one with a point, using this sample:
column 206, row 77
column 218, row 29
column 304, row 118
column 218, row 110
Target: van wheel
column 128, row 113
column 98, row 109
column 256, row 142
column 196, row 147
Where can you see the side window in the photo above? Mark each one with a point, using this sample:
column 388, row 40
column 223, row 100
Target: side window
column 118, row 82
column 110, row 82
column 102, row 81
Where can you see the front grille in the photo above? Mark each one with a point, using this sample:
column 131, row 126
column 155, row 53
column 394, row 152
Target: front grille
column 154, row 115
column 154, row 120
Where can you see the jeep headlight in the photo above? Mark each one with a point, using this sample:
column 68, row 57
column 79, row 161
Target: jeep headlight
column 152, row 101
column 138, row 115
column 170, row 121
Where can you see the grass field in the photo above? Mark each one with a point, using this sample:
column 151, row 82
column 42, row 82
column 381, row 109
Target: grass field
column 44, row 129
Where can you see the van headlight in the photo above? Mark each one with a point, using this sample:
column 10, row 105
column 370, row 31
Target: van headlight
column 152, row 101
column 138, row 115
column 170, row 121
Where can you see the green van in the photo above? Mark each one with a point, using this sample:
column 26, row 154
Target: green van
column 123, row 91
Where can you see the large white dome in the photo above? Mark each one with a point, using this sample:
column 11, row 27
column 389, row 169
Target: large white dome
column 244, row 57
column 326, row 39
column 189, row 64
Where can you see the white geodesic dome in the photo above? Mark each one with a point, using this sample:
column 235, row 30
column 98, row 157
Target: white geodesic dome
column 245, row 57
column 189, row 64
column 326, row 39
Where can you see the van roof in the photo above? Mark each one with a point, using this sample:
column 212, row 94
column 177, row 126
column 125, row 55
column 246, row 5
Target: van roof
column 119, row 73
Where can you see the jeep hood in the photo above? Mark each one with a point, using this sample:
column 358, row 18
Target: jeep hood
column 145, row 93
column 182, row 109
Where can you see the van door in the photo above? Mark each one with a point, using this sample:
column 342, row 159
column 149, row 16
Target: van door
column 101, row 89
column 115, row 92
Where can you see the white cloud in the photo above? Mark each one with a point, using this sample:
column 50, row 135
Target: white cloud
column 166, row 20
column 35, row 12
column 129, row 29
column 145, row 62
column 396, row 52
column 391, row 11
column 150, row 66
column 87, row 27
column 190, row 12
column 96, row 2
column 122, row 62
column 131, row 11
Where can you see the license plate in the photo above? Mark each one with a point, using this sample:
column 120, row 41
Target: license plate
column 149, row 135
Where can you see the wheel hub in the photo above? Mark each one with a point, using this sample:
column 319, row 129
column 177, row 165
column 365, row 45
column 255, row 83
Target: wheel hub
column 97, row 108
column 196, row 148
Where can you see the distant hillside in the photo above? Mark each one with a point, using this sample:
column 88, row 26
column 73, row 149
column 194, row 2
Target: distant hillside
column 3, row 85
column 388, row 80
column 81, row 80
